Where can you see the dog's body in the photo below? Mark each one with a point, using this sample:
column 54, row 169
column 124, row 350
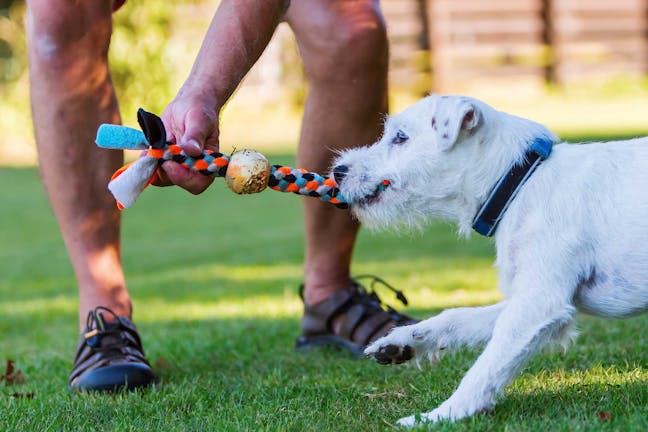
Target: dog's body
column 574, row 238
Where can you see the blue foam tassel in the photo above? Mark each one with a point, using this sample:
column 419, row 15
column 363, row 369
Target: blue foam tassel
column 120, row 137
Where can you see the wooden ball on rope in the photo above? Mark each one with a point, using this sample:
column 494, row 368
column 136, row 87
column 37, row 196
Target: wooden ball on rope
column 248, row 172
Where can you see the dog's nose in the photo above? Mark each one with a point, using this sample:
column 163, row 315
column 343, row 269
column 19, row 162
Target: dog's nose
column 339, row 172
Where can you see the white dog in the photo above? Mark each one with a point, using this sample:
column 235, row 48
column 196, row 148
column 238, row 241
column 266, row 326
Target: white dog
column 573, row 236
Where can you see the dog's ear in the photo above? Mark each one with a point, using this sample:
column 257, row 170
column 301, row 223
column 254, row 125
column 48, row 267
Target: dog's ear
column 451, row 117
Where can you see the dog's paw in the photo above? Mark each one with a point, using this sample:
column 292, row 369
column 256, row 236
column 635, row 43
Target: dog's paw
column 393, row 354
column 455, row 408
column 439, row 414
column 429, row 417
column 407, row 421
column 394, row 348
column 405, row 343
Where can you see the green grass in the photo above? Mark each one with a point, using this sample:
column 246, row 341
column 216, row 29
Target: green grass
column 214, row 281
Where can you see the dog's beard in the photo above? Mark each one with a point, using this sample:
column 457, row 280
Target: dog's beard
column 407, row 207
column 390, row 213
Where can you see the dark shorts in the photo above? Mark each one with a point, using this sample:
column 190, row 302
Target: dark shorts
column 118, row 4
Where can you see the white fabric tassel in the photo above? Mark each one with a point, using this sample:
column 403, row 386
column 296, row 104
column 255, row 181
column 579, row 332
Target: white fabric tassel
column 130, row 184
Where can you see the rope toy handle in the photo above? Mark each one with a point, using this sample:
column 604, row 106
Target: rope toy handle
column 245, row 171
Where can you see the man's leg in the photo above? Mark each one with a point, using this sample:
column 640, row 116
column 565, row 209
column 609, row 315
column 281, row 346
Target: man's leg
column 345, row 51
column 72, row 94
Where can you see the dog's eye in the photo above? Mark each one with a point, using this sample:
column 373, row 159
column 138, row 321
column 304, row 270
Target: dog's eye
column 400, row 137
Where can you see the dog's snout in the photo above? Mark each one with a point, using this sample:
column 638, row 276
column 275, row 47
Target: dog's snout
column 339, row 172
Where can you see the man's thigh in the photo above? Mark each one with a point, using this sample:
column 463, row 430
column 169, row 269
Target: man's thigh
column 322, row 20
column 333, row 33
column 57, row 28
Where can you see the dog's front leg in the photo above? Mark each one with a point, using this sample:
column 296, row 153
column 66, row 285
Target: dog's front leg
column 445, row 332
column 524, row 325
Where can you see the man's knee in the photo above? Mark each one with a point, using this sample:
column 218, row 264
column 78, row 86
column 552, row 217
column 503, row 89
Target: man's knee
column 350, row 42
column 65, row 33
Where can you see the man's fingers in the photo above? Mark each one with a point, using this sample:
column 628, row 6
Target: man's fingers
column 170, row 125
column 191, row 181
column 192, row 147
column 212, row 142
column 199, row 126
column 161, row 179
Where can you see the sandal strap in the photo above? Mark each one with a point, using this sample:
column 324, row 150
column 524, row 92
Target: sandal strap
column 354, row 316
column 365, row 317
column 319, row 317
column 370, row 326
column 107, row 343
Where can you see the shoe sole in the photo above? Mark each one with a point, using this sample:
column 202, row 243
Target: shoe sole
column 127, row 376
column 307, row 343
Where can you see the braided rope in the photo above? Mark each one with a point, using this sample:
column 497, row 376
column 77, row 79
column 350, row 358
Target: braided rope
column 208, row 163
column 302, row 182
column 282, row 178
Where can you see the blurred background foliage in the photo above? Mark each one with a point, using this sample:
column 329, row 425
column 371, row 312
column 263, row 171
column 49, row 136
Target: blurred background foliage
column 155, row 43
column 15, row 125
column 12, row 43
column 141, row 57
column 152, row 50
column 153, row 47
column 146, row 68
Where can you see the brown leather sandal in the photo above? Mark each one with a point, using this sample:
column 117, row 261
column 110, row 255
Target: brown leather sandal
column 365, row 318
column 110, row 356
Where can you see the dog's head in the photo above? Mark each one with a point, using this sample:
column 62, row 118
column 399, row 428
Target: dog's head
column 436, row 158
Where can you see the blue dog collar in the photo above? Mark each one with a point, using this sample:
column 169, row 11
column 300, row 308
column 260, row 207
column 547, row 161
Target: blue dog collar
column 507, row 187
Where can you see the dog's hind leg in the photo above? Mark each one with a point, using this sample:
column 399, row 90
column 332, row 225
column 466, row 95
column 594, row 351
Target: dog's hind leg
column 427, row 340
column 523, row 327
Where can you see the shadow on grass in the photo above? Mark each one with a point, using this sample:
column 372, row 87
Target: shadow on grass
column 213, row 347
column 243, row 371
column 190, row 259
column 582, row 405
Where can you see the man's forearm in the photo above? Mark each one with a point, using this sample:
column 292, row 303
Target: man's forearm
column 236, row 38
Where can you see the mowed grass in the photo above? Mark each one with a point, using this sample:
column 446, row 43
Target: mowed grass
column 214, row 281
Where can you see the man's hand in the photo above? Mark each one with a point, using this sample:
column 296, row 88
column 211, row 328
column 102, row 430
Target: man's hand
column 238, row 34
column 191, row 122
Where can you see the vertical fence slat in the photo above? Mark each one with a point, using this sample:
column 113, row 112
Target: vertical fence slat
column 557, row 41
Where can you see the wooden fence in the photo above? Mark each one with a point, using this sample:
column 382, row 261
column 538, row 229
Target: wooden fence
column 457, row 42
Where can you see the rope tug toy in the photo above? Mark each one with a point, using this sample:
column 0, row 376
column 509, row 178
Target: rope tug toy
column 245, row 171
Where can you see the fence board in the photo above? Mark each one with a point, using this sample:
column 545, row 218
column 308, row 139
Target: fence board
column 562, row 40
column 472, row 38
column 407, row 35
column 448, row 43
column 598, row 37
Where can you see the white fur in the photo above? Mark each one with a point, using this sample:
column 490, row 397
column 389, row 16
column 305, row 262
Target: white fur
column 574, row 238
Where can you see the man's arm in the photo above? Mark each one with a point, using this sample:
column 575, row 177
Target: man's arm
column 236, row 38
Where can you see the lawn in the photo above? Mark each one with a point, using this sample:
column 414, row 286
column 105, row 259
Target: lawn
column 214, row 281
